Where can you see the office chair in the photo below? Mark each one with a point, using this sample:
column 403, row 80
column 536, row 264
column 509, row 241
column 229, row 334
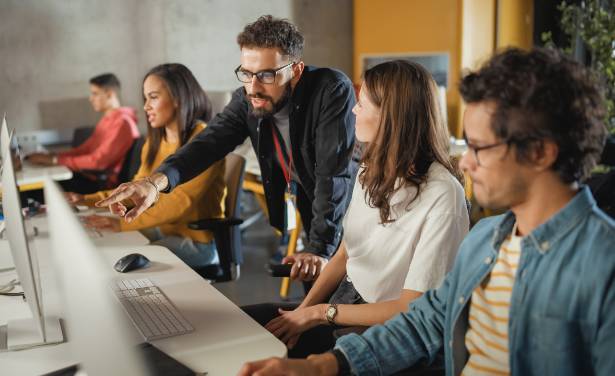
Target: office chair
column 602, row 185
column 226, row 230
column 130, row 166
column 81, row 134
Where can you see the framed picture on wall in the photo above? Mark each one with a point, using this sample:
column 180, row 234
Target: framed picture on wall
column 436, row 63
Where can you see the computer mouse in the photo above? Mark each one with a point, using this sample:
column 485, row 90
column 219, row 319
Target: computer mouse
column 131, row 262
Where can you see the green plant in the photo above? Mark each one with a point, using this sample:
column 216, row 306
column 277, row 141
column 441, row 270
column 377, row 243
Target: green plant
column 592, row 23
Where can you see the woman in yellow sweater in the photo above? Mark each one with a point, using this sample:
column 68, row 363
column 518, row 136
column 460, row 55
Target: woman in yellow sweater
column 176, row 108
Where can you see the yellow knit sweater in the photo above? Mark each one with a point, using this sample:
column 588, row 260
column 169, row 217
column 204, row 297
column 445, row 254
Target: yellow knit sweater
column 199, row 198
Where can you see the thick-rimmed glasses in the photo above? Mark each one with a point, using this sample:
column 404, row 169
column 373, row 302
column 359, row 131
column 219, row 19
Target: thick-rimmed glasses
column 474, row 149
column 266, row 76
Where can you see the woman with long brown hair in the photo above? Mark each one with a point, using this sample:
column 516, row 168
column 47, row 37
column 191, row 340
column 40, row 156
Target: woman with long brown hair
column 403, row 226
column 176, row 108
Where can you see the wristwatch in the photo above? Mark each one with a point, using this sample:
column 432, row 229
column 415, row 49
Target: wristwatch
column 331, row 313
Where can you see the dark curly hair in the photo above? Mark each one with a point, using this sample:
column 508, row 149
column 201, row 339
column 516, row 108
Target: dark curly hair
column 271, row 32
column 540, row 95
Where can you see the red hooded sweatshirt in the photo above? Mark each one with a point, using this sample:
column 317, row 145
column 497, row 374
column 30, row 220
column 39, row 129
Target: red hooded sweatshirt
column 106, row 148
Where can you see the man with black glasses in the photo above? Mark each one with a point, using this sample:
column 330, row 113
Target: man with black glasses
column 532, row 291
column 300, row 123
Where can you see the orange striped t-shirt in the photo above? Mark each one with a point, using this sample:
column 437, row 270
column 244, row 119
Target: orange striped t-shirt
column 487, row 336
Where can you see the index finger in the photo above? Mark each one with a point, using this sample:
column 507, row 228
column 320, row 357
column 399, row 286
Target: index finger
column 119, row 195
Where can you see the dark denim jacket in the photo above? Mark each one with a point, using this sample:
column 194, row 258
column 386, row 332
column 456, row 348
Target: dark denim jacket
column 322, row 140
column 562, row 312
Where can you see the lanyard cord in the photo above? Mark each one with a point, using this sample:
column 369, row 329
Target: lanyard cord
column 278, row 148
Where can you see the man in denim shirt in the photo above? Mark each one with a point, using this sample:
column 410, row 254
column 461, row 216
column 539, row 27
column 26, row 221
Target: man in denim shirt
column 532, row 291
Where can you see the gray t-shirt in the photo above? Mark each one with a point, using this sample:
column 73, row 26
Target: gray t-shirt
column 281, row 120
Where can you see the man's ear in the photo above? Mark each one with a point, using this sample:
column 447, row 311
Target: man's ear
column 545, row 155
column 297, row 70
column 110, row 94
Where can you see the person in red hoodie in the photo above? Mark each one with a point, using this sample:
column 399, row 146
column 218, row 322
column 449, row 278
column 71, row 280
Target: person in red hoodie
column 108, row 145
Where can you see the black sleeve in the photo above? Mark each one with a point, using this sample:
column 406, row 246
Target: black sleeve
column 343, row 366
column 334, row 171
column 223, row 133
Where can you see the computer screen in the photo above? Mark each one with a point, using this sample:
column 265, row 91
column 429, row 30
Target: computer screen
column 99, row 335
column 38, row 330
column 4, row 136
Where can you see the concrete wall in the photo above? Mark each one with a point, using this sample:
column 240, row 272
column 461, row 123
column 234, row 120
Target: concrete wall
column 49, row 49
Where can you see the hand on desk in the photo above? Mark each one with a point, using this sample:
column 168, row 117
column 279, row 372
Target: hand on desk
column 290, row 324
column 321, row 364
column 142, row 193
column 43, row 159
column 102, row 223
column 306, row 266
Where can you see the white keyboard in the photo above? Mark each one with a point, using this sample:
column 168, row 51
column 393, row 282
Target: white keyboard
column 150, row 310
column 93, row 233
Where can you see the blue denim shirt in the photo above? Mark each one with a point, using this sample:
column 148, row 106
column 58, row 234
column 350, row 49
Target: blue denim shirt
column 562, row 311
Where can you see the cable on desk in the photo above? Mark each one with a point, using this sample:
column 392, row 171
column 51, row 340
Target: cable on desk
column 13, row 294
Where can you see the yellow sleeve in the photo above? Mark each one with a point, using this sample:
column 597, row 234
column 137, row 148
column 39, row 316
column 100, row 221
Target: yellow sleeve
column 172, row 207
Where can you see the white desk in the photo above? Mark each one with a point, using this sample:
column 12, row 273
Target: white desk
column 224, row 337
column 31, row 176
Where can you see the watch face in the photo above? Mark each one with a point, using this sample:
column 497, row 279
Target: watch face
column 330, row 311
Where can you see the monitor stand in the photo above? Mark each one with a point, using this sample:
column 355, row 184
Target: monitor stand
column 22, row 334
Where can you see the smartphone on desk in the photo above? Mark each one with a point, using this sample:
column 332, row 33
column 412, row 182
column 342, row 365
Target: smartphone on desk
column 280, row 270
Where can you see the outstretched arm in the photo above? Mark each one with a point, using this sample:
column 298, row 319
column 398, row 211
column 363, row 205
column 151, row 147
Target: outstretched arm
column 227, row 130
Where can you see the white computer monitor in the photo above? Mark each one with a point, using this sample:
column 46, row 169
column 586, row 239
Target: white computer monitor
column 100, row 337
column 40, row 329
column 4, row 135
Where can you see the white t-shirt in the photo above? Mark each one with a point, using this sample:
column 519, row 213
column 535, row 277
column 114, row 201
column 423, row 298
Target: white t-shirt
column 417, row 250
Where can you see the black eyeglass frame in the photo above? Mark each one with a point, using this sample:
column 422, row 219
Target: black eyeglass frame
column 259, row 74
column 475, row 149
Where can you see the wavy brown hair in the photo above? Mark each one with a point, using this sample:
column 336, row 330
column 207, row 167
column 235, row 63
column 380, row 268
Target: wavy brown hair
column 411, row 134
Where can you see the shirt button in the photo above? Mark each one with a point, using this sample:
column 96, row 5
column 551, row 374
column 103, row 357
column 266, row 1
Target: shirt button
column 488, row 260
column 544, row 245
column 450, row 344
column 462, row 300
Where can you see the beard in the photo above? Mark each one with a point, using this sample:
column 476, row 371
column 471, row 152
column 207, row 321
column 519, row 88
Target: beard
column 276, row 106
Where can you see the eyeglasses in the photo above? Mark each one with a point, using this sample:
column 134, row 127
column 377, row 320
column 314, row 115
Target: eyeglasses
column 266, row 76
column 475, row 149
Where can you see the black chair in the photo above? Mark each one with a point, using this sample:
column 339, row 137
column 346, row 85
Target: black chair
column 226, row 230
column 81, row 134
column 132, row 162
column 130, row 166
column 603, row 185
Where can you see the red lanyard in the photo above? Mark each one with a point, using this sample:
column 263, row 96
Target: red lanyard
column 281, row 157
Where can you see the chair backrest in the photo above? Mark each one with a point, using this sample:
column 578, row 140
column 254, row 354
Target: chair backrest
column 132, row 161
column 81, row 134
column 233, row 176
column 226, row 230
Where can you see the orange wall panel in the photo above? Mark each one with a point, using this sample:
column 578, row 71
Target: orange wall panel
column 411, row 26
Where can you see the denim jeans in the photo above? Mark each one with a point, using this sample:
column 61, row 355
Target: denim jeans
column 195, row 254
